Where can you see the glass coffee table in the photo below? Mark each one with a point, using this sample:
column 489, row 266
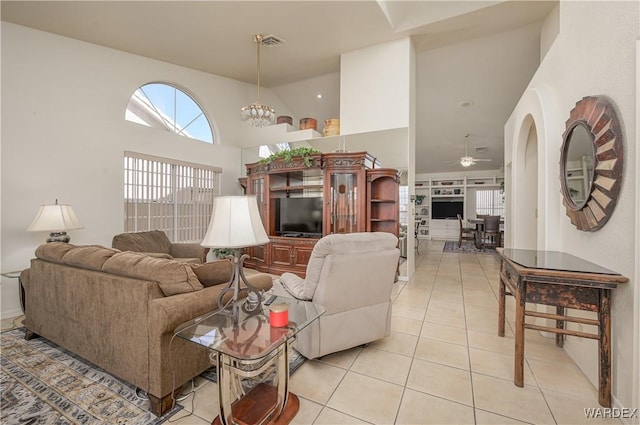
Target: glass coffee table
column 247, row 349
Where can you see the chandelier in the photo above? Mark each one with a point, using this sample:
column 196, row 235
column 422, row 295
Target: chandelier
column 257, row 114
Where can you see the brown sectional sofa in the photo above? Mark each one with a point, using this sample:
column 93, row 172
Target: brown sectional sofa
column 118, row 310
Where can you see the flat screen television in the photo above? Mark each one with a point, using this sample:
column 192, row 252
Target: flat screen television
column 447, row 208
column 301, row 217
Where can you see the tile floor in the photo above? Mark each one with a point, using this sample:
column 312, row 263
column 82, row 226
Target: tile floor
column 442, row 364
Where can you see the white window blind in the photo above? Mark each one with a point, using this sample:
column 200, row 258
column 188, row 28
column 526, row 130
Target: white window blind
column 404, row 200
column 489, row 202
column 164, row 194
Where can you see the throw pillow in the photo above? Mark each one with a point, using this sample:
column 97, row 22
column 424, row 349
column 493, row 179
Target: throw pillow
column 213, row 273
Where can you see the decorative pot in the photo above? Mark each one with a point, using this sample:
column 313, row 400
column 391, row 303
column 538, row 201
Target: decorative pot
column 308, row 123
column 331, row 127
column 284, row 119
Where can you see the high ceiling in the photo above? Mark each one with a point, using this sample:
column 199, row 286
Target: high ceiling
column 474, row 58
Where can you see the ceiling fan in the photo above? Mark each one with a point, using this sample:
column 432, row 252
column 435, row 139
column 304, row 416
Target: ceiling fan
column 466, row 160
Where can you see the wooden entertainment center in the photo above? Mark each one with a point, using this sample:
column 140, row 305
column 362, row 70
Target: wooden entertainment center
column 351, row 194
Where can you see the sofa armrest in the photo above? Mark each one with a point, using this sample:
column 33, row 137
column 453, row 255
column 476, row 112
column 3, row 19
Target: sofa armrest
column 188, row 250
column 165, row 314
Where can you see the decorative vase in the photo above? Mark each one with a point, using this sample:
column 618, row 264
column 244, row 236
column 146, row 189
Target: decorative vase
column 331, row 127
column 308, row 123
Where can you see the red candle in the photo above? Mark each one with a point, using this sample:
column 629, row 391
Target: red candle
column 279, row 315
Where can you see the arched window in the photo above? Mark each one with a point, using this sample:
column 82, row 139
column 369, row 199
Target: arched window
column 164, row 106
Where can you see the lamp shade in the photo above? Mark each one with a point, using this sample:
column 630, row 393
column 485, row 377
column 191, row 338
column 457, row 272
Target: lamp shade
column 55, row 218
column 235, row 223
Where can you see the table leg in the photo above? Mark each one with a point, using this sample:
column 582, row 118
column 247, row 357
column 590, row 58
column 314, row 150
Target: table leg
column 282, row 378
column 604, row 317
column 501, row 307
column 560, row 325
column 224, row 389
column 518, row 369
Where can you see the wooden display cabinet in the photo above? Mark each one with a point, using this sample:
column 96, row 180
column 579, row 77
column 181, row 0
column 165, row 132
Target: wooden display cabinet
column 355, row 195
column 383, row 200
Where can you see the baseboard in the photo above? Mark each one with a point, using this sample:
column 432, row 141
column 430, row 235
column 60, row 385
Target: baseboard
column 10, row 314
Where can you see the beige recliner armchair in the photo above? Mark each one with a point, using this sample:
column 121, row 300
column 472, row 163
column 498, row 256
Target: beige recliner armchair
column 352, row 276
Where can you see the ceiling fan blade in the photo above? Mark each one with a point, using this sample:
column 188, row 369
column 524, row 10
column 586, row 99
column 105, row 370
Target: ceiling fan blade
column 479, row 160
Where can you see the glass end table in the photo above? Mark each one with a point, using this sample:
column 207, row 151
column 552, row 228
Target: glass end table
column 247, row 347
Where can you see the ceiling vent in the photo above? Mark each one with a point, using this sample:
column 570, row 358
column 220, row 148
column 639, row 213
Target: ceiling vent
column 480, row 149
column 271, row 40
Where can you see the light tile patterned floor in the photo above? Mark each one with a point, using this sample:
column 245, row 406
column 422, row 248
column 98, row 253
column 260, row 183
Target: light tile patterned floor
column 442, row 364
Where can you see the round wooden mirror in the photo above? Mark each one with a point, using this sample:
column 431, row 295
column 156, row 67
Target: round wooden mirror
column 591, row 163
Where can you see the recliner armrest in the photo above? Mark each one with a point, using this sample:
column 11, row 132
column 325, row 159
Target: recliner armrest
column 294, row 285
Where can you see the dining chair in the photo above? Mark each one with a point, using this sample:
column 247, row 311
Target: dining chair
column 466, row 233
column 491, row 235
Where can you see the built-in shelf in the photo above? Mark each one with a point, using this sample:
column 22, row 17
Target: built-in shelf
column 444, row 189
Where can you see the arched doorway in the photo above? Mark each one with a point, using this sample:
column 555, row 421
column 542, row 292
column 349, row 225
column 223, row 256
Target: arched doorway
column 524, row 200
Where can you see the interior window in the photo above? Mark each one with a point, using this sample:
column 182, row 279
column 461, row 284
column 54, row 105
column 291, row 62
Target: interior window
column 167, row 107
column 169, row 195
column 489, row 202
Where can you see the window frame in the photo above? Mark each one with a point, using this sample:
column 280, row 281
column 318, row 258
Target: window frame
column 173, row 129
column 147, row 182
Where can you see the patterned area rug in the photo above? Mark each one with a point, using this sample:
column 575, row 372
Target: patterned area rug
column 467, row 247
column 44, row 384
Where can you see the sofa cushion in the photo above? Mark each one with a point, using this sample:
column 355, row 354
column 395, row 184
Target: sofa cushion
column 213, row 273
column 172, row 276
column 152, row 241
column 53, row 251
column 90, row 257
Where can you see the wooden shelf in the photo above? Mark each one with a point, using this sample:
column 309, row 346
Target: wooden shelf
column 296, row 188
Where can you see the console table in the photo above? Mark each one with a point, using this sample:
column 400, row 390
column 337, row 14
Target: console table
column 564, row 281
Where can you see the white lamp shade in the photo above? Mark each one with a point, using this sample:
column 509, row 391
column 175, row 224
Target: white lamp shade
column 55, row 218
column 235, row 223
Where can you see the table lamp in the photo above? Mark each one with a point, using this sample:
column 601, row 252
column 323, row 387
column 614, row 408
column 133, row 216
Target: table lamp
column 235, row 224
column 56, row 219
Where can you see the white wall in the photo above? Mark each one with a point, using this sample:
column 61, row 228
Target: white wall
column 373, row 95
column 64, row 133
column 593, row 54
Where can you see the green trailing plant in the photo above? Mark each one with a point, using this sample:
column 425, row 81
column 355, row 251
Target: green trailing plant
column 288, row 154
column 419, row 199
column 222, row 252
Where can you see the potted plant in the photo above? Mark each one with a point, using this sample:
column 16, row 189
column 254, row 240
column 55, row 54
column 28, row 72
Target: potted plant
column 222, row 253
column 419, row 199
column 288, row 154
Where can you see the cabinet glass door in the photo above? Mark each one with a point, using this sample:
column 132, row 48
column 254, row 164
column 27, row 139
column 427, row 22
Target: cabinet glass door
column 257, row 188
column 344, row 203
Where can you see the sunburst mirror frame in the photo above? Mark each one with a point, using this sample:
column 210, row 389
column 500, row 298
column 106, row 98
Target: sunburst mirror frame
column 597, row 114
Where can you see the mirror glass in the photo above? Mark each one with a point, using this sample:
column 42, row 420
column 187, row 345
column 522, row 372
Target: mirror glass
column 579, row 160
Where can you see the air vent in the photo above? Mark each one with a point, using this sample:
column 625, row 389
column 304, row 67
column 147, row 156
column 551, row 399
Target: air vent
column 481, row 149
column 271, row 40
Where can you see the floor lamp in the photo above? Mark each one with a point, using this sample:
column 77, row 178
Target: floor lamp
column 235, row 224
